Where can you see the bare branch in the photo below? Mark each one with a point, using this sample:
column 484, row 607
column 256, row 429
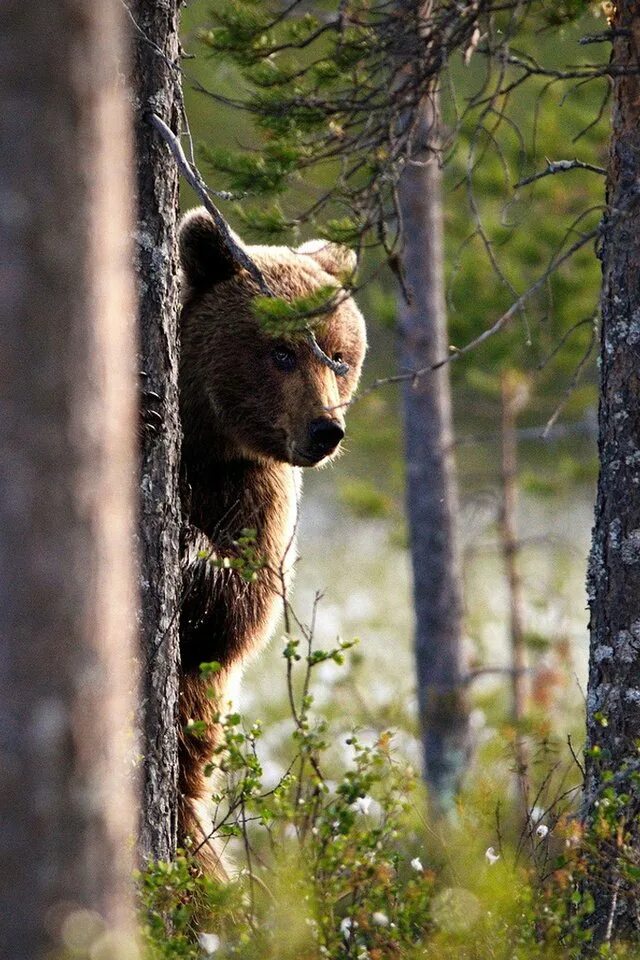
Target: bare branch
column 572, row 385
column 502, row 321
column 560, row 166
column 519, row 303
column 173, row 67
column 495, row 671
column 607, row 36
column 563, row 339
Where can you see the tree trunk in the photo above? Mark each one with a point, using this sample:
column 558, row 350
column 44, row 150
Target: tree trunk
column 513, row 396
column 67, row 613
column 432, row 498
column 156, row 84
column 613, row 700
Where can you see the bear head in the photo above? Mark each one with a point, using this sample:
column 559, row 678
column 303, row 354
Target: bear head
column 252, row 395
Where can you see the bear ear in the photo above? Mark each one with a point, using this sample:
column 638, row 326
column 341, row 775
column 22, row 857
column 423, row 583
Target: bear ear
column 335, row 259
column 204, row 256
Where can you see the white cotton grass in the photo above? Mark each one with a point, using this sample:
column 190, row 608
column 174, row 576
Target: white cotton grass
column 416, row 864
column 347, row 926
column 210, row 942
column 537, row 814
column 361, row 805
column 491, row 856
column 379, row 919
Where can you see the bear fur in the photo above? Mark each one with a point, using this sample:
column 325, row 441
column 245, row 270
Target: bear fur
column 254, row 411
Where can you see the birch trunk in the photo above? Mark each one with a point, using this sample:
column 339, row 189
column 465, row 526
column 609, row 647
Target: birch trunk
column 156, row 86
column 67, row 613
column 432, row 497
column 613, row 700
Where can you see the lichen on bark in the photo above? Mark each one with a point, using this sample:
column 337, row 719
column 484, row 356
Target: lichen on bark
column 613, row 699
column 156, row 86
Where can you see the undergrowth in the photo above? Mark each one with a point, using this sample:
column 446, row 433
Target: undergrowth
column 338, row 858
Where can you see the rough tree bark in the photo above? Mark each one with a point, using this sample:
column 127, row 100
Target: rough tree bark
column 67, row 612
column 613, row 700
column 432, row 498
column 156, row 86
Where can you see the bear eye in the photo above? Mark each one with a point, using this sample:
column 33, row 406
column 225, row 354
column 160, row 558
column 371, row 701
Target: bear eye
column 337, row 357
column 284, row 358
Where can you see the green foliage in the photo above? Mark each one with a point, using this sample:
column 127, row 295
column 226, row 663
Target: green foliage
column 336, row 875
column 556, row 13
column 290, row 318
column 242, row 556
column 267, row 172
column 173, row 898
column 336, row 861
column 345, row 230
column 268, row 222
column 364, row 499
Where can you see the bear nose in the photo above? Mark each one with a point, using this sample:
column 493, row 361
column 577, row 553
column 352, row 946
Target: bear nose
column 325, row 434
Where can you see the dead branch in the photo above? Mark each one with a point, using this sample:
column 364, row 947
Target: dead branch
column 339, row 367
column 196, row 181
column 560, row 166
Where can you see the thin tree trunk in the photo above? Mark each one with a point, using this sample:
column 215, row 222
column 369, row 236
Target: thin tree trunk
column 613, row 700
column 67, row 612
column 432, row 498
column 156, row 84
column 512, row 397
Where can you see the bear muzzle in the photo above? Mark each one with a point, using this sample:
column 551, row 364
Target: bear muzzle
column 324, row 436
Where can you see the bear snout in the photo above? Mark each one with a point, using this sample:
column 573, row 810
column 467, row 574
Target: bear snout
column 325, row 434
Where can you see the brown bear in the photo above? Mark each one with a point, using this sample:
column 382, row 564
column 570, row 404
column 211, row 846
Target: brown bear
column 254, row 410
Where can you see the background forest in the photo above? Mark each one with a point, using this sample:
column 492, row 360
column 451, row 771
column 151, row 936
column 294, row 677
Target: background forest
column 357, row 505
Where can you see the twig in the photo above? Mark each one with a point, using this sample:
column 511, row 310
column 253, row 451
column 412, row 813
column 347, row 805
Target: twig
column 576, row 759
column 558, row 432
column 560, row 166
column 500, row 671
column 238, row 254
column 607, row 36
column 571, row 387
column 174, row 67
column 563, row 339
column 339, row 367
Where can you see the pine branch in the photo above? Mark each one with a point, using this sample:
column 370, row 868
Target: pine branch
column 196, row 181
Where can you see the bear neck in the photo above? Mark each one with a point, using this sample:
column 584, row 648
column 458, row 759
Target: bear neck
column 228, row 492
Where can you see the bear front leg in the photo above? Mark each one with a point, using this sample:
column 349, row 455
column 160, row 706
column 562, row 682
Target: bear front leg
column 202, row 699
